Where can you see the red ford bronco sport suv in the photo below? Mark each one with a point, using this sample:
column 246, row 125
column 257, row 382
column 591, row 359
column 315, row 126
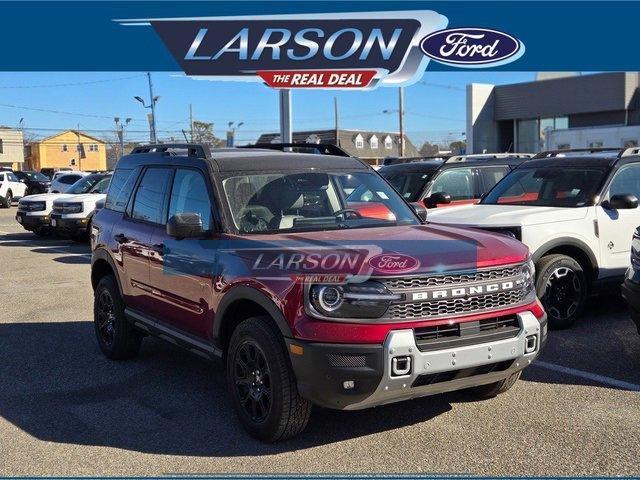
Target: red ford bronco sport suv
column 258, row 258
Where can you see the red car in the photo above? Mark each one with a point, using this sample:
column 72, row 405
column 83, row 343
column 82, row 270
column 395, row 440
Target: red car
column 259, row 258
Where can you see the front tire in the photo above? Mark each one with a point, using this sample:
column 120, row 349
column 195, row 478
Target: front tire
column 561, row 285
column 42, row 231
column 262, row 384
column 484, row 392
column 117, row 339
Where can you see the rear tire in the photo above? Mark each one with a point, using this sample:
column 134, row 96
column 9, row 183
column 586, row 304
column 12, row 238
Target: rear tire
column 262, row 384
column 561, row 285
column 484, row 392
column 117, row 339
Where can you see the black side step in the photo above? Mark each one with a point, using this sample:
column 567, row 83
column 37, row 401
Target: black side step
column 173, row 335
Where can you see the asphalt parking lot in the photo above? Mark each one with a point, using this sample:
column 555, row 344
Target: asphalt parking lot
column 66, row 410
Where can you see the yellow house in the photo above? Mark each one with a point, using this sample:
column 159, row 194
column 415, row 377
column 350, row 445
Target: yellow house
column 71, row 149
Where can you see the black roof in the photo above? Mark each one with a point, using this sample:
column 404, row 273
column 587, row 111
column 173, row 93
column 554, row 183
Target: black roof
column 238, row 159
column 603, row 157
column 432, row 165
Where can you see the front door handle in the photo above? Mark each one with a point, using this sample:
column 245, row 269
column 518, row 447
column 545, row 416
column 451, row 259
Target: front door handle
column 120, row 238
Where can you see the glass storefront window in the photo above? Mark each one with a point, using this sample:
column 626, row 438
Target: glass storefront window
column 528, row 136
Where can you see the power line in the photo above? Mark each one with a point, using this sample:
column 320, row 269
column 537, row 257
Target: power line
column 75, row 84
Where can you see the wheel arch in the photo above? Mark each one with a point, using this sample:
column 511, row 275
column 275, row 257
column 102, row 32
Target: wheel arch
column 574, row 248
column 102, row 264
column 243, row 302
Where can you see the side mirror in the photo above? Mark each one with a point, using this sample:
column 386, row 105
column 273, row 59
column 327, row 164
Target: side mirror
column 436, row 199
column 420, row 210
column 185, row 225
column 100, row 204
column 622, row 201
column 22, row 180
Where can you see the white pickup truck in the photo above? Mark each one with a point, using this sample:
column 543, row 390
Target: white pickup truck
column 575, row 210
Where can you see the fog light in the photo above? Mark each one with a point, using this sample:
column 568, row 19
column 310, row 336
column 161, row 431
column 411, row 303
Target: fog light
column 531, row 344
column 400, row 366
column 348, row 384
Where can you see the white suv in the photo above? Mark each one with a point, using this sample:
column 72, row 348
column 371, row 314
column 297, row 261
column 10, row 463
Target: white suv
column 34, row 211
column 575, row 210
column 62, row 181
column 10, row 188
column 72, row 214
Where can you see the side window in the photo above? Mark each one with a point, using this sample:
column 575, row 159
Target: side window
column 120, row 189
column 626, row 180
column 12, row 178
column 190, row 195
column 1, row 177
column 491, row 175
column 458, row 182
column 149, row 200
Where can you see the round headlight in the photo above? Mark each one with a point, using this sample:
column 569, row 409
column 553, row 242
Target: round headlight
column 330, row 297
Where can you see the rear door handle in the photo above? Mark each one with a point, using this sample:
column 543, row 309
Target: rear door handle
column 121, row 238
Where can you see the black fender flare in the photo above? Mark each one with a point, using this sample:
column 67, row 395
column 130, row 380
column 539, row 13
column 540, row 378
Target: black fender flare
column 102, row 254
column 567, row 241
column 243, row 292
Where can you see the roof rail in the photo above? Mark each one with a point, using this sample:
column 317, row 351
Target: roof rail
column 629, row 151
column 320, row 148
column 399, row 160
column 486, row 156
column 557, row 153
column 193, row 149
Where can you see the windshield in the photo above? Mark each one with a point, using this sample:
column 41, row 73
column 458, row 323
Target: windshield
column 271, row 202
column 85, row 184
column 547, row 187
column 37, row 176
column 408, row 184
column 102, row 186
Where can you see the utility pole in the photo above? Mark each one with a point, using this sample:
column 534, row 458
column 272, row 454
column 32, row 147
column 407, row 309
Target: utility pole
column 401, row 118
column 153, row 110
column 191, row 120
column 335, row 113
column 79, row 149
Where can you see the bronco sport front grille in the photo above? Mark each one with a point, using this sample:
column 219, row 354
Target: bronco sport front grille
column 395, row 284
column 451, row 295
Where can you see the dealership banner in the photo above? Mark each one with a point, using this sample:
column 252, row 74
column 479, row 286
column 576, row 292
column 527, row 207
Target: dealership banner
column 347, row 45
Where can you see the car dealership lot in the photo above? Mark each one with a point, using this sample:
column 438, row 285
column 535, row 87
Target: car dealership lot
column 66, row 410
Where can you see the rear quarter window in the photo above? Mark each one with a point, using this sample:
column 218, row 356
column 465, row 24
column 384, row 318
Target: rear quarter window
column 120, row 189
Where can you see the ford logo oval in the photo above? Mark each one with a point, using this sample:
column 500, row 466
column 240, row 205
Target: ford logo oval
column 472, row 47
column 393, row 263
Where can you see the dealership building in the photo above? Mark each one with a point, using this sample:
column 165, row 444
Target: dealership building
column 578, row 111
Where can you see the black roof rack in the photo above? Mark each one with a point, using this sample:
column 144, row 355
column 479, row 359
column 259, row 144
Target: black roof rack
column 320, row 148
column 587, row 151
column 193, row 149
column 399, row 160
column 480, row 157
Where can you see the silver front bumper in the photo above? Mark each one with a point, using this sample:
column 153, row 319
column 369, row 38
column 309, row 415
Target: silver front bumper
column 402, row 343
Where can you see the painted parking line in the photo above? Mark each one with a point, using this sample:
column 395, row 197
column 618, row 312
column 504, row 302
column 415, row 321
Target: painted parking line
column 614, row 382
